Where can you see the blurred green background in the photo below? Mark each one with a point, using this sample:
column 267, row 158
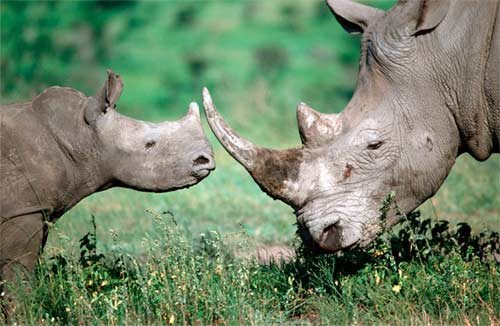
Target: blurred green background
column 258, row 58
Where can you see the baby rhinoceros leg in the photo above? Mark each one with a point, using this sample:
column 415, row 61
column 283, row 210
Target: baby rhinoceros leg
column 21, row 240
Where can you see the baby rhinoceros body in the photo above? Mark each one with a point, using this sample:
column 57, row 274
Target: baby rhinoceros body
column 63, row 146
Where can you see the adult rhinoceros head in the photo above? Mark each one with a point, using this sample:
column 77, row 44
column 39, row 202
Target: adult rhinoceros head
column 394, row 135
column 143, row 155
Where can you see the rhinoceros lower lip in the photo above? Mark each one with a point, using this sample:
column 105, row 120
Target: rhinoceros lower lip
column 202, row 173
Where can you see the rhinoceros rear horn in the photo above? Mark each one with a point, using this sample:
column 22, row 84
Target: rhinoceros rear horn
column 111, row 90
column 272, row 169
column 316, row 128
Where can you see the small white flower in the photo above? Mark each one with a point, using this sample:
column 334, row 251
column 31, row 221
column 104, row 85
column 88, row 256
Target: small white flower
column 396, row 288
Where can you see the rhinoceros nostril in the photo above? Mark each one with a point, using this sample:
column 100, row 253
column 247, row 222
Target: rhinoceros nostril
column 331, row 239
column 150, row 144
column 330, row 229
column 201, row 160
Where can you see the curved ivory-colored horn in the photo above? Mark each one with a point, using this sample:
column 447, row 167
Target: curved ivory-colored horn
column 274, row 170
column 316, row 128
column 239, row 148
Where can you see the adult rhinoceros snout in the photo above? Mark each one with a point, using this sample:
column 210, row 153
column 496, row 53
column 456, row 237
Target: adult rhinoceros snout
column 328, row 234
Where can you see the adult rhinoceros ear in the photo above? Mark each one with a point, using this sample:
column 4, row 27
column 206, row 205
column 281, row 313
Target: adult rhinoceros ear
column 315, row 128
column 111, row 91
column 426, row 15
column 354, row 17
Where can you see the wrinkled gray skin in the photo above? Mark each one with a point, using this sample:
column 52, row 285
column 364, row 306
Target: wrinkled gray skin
column 427, row 91
column 63, row 146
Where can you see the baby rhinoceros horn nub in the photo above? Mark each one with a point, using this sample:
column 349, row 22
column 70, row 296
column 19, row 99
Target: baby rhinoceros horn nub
column 315, row 128
column 275, row 171
column 194, row 110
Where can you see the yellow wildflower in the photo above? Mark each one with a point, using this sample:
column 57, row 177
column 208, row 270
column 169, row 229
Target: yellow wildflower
column 396, row 288
column 218, row 269
column 377, row 279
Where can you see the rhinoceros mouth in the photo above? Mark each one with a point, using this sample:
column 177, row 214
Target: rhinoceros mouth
column 202, row 166
column 335, row 237
column 203, row 172
column 200, row 174
column 326, row 232
column 327, row 241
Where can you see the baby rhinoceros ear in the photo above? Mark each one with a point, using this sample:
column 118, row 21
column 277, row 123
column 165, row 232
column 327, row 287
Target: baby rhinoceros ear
column 111, row 91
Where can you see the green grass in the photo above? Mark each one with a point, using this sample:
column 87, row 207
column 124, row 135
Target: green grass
column 426, row 273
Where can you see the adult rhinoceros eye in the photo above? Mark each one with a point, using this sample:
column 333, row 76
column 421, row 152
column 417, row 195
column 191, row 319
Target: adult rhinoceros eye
column 374, row 144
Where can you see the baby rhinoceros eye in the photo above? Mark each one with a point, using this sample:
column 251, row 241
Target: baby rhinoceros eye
column 374, row 144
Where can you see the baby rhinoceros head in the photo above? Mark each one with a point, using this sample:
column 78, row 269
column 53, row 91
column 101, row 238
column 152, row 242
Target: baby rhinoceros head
column 143, row 155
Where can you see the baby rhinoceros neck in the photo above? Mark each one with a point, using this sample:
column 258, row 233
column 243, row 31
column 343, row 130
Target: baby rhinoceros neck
column 75, row 168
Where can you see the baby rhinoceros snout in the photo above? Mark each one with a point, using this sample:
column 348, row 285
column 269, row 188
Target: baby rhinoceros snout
column 202, row 164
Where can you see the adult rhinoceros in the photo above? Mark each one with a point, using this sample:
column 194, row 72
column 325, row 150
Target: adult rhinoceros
column 427, row 91
column 63, row 146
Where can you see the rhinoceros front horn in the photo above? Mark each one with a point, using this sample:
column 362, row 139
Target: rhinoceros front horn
column 241, row 149
column 275, row 171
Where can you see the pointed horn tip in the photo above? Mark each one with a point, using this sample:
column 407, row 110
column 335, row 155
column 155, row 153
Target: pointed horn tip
column 194, row 109
column 207, row 99
column 304, row 109
column 205, row 92
column 301, row 106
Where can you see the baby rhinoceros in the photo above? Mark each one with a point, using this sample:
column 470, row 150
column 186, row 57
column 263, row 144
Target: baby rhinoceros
column 63, row 146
